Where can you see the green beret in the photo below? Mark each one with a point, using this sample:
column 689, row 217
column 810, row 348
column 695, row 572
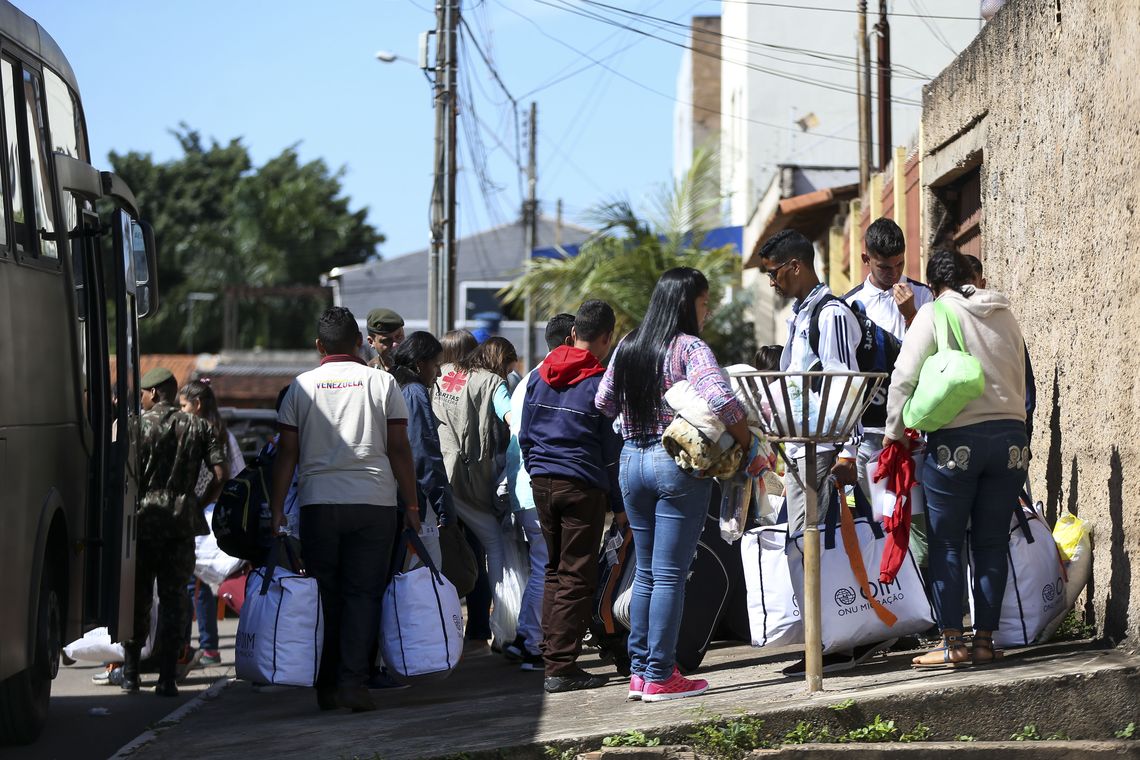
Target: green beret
column 155, row 377
column 384, row 321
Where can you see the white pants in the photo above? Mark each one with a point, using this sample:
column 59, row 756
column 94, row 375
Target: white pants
column 530, row 615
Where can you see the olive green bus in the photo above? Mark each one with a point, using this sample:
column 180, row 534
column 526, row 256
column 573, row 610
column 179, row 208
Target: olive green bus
column 72, row 286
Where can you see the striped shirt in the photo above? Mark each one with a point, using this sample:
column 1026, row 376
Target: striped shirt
column 687, row 358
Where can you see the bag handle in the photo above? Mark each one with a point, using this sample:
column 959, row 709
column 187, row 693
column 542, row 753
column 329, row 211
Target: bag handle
column 945, row 318
column 417, row 546
column 279, row 545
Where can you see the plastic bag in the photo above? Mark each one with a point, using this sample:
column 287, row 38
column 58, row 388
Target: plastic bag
column 736, row 497
column 1069, row 532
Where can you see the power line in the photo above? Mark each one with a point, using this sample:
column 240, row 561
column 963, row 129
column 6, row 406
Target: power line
column 789, row 6
column 798, row 78
column 934, row 31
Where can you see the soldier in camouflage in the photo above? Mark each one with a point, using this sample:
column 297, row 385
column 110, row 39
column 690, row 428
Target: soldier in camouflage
column 173, row 446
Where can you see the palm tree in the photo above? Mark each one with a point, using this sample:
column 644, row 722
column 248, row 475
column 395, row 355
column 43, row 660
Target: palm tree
column 622, row 261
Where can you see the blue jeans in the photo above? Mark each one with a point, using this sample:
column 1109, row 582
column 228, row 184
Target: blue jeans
column 206, row 610
column 972, row 476
column 666, row 509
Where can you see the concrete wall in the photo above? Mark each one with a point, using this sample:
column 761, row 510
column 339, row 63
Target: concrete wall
column 1049, row 95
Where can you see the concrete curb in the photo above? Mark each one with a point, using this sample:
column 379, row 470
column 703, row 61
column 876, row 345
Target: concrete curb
column 1038, row 750
column 175, row 717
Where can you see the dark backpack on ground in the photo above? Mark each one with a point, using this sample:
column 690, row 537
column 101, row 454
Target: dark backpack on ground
column 239, row 522
column 614, row 569
column 878, row 349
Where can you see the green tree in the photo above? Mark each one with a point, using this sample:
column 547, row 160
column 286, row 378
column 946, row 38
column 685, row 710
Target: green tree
column 220, row 222
column 623, row 260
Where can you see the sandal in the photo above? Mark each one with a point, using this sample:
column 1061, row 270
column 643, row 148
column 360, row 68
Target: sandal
column 950, row 644
column 984, row 643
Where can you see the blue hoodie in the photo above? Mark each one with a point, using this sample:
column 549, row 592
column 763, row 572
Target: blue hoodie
column 563, row 434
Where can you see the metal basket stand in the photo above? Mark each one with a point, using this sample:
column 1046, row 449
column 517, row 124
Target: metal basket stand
column 808, row 408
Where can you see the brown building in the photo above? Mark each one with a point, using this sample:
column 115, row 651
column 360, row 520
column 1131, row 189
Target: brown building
column 1031, row 160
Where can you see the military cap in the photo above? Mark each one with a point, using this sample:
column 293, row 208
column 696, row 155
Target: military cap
column 155, row 377
column 384, row 321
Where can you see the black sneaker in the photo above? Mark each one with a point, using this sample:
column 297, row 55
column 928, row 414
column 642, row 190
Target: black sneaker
column 832, row 663
column 532, row 662
column 573, row 681
column 516, row 650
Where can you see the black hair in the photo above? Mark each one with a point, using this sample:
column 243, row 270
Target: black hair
column 768, row 358
column 594, row 319
column 337, row 331
column 558, row 330
column 975, row 264
column 639, row 365
column 167, row 390
column 456, row 345
column 949, row 269
column 417, row 347
column 884, row 239
column 787, row 245
column 200, row 391
column 281, row 398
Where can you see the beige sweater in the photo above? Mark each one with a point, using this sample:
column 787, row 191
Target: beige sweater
column 992, row 336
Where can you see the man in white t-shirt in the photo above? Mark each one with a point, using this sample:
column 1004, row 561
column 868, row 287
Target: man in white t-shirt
column 344, row 428
column 891, row 300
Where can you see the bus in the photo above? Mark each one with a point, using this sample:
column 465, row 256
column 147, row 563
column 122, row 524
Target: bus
column 77, row 272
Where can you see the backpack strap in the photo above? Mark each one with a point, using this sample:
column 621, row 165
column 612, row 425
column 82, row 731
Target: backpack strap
column 813, row 324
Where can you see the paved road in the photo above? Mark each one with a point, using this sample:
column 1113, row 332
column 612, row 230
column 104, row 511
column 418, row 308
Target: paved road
column 73, row 733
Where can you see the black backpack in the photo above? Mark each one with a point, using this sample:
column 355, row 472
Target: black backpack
column 241, row 524
column 878, row 349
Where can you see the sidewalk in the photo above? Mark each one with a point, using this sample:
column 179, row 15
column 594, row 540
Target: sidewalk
column 490, row 706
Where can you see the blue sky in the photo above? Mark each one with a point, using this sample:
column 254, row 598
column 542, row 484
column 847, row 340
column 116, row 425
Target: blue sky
column 285, row 72
column 297, row 72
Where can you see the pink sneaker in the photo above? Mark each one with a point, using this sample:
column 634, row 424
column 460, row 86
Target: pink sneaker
column 677, row 687
column 636, row 687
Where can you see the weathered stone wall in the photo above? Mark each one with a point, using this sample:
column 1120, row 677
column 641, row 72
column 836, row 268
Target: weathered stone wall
column 1051, row 90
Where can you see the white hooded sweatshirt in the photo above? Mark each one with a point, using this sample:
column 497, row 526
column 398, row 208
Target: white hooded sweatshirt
column 992, row 336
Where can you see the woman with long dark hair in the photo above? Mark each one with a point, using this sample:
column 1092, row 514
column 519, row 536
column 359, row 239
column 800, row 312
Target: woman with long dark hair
column 197, row 398
column 415, row 365
column 666, row 506
column 975, row 465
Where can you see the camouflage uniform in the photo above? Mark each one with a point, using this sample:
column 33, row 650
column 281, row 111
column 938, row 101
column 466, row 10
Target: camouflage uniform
column 173, row 446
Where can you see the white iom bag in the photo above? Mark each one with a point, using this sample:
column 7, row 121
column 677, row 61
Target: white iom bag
column 848, row 617
column 281, row 630
column 1035, row 587
column 421, row 624
column 773, row 608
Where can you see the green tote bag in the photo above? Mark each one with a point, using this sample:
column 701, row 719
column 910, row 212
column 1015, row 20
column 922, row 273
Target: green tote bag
column 948, row 380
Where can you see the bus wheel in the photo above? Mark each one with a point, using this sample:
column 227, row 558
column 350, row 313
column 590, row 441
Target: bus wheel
column 24, row 696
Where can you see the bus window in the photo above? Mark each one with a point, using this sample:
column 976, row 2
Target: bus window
column 63, row 117
column 12, row 155
column 41, row 171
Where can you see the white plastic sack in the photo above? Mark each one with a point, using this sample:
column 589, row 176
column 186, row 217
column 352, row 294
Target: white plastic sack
column 281, row 632
column 773, row 608
column 847, row 617
column 840, row 406
column 883, row 499
column 421, row 626
column 1035, row 587
column 1078, row 569
column 96, row 644
column 624, row 593
column 509, row 592
column 211, row 564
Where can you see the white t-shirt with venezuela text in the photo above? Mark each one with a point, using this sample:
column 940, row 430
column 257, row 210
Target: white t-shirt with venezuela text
column 341, row 411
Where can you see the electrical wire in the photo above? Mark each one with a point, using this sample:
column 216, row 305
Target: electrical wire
column 790, row 6
column 934, row 31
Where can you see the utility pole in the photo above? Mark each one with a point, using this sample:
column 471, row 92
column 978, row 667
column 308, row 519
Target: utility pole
column 530, row 232
column 441, row 259
column 883, row 30
column 863, row 87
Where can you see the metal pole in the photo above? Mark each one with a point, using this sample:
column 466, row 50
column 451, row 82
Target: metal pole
column 883, row 28
column 530, row 219
column 438, row 215
column 813, row 629
column 863, row 88
column 452, row 81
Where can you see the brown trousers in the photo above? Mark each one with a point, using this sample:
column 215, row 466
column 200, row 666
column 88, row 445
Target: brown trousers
column 572, row 514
